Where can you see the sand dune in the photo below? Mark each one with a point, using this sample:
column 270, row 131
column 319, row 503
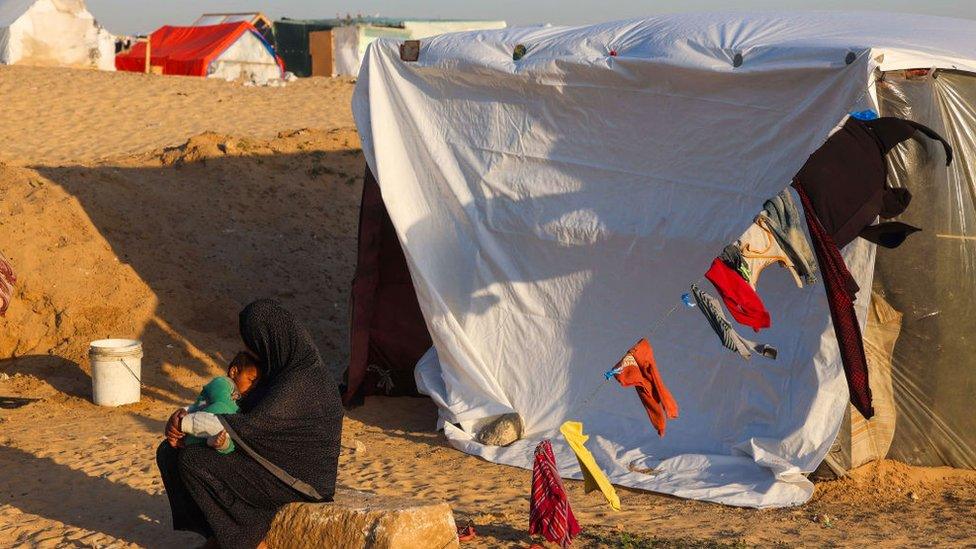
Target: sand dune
column 118, row 227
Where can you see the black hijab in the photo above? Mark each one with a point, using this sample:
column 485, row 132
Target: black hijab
column 294, row 416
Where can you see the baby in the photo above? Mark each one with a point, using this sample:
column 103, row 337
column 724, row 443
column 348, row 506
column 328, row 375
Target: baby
column 220, row 396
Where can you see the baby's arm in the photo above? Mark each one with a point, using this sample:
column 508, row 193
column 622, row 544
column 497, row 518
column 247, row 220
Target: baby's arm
column 206, row 425
column 221, row 442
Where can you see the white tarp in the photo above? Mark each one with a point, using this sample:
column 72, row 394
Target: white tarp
column 55, row 33
column 248, row 58
column 345, row 51
column 349, row 43
column 553, row 209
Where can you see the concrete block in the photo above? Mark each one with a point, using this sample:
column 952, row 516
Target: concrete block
column 363, row 520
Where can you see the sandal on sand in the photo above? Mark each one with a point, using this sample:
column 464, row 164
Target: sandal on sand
column 466, row 533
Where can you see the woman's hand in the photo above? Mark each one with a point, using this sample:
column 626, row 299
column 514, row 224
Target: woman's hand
column 174, row 435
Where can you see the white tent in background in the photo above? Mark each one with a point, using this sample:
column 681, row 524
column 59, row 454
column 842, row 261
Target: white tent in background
column 60, row 33
column 350, row 41
column 553, row 206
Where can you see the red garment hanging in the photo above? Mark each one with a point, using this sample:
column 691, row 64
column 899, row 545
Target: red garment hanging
column 739, row 297
column 7, row 281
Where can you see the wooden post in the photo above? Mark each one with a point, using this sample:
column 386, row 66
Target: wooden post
column 148, row 53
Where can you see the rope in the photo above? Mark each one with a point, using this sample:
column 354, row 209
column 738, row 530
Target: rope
column 581, row 405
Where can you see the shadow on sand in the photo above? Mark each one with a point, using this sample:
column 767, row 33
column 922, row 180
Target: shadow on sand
column 46, row 488
column 209, row 236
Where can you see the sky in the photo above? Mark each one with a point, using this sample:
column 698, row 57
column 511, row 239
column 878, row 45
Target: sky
column 141, row 16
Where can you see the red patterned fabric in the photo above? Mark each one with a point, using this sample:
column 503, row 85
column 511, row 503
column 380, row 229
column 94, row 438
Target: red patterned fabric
column 739, row 297
column 549, row 512
column 7, row 281
column 841, row 291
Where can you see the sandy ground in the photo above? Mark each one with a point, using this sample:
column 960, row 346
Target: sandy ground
column 89, row 116
column 123, row 218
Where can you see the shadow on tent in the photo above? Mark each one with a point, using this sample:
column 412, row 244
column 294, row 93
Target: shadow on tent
column 391, row 344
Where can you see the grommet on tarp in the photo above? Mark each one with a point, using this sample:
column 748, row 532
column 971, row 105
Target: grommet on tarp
column 865, row 115
column 851, row 57
column 519, row 52
column 410, row 50
column 612, row 372
column 688, row 300
column 737, row 60
column 613, row 53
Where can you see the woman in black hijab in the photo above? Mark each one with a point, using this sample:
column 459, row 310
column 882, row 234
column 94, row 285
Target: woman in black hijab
column 287, row 434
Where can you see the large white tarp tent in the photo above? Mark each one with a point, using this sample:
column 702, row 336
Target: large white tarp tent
column 553, row 209
column 54, row 33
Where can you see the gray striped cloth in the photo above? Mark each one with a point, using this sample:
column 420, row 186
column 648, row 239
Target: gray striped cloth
column 712, row 309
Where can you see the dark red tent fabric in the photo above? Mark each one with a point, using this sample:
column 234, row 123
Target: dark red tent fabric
column 186, row 51
column 388, row 330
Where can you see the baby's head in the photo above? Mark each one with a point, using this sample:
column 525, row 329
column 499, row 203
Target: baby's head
column 245, row 371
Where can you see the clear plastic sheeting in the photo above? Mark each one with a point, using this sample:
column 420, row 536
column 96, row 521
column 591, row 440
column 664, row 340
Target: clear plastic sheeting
column 931, row 278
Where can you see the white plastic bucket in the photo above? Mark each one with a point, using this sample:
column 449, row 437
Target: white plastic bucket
column 116, row 366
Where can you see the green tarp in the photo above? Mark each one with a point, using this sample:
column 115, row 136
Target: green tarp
column 291, row 38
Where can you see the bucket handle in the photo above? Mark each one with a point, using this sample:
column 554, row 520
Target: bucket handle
column 124, row 363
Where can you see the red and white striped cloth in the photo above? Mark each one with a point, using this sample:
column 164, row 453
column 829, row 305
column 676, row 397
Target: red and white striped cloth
column 549, row 512
column 7, row 280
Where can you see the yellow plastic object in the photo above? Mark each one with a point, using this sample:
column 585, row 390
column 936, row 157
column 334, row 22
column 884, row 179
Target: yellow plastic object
column 593, row 476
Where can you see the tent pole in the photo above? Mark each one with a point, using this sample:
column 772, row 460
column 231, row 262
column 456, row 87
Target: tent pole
column 148, row 52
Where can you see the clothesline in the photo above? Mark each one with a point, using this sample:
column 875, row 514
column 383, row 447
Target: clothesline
column 781, row 232
column 581, row 405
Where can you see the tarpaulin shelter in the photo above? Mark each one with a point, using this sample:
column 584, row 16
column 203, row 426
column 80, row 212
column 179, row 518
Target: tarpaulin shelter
column 260, row 21
column 60, row 33
column 335, row 47
column 553, row 202
column 920, row 328
column 229, row 51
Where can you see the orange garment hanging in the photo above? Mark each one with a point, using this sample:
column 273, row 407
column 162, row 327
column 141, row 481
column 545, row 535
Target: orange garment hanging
column 637, row 369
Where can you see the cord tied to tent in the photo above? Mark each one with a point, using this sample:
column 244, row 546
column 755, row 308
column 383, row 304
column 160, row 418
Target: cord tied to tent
column 608, row 375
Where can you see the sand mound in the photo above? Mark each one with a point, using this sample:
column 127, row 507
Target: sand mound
column 167, row 247
column 197, row 149
column 71, row 286
column 887, row 481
